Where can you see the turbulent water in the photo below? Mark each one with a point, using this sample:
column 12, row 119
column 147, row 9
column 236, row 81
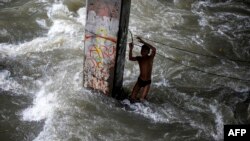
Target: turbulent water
column 191, row 98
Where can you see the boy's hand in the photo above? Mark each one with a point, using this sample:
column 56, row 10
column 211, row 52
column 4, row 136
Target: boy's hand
column 131, row 45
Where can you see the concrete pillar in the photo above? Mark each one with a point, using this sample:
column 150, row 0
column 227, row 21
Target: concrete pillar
column 105, row 45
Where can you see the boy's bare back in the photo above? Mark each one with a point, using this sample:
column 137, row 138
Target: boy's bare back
column 145, row 64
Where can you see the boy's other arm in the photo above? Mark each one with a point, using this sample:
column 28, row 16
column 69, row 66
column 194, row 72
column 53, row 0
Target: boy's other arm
column 131, row 58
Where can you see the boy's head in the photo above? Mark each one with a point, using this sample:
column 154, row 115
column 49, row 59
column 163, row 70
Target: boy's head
column 145, row 50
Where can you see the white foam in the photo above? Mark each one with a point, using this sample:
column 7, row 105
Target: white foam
column 161, row 74
column 42, row 23
column 4, row 76
column 218, row 134
column 64, row 33
column 7, row 50
column 82, row 16
column 63, row 27
column 145, row 110
column 41, row 44
column 59, row 11
column 9, row 84
column 64, row 22
column 43, row 105
column 197, row 9
column 4, row 32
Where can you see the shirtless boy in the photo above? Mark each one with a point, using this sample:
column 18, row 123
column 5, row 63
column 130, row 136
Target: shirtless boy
column 145, row 62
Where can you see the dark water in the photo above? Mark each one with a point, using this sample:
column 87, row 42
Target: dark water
column 191, row 98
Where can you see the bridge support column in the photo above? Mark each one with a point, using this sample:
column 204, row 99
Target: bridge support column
column 105, row 45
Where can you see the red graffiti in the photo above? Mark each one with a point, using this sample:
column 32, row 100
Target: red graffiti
column 112, row 39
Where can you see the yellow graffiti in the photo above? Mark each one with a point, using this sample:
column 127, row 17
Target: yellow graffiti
column 99, row 43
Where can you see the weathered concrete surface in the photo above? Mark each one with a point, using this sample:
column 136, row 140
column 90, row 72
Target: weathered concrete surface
column 105, row 44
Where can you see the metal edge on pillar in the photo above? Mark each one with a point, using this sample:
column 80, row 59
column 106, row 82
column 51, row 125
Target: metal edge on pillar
column 117, row 91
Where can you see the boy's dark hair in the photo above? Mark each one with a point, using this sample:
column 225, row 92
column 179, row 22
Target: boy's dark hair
column 145, row 47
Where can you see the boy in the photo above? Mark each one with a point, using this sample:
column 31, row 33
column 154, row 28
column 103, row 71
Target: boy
column 145, row 62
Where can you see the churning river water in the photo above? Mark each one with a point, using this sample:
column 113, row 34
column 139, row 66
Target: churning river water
column 201, row 77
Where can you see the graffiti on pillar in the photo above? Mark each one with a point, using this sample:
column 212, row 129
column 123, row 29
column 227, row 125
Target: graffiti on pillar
column 101, row 32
